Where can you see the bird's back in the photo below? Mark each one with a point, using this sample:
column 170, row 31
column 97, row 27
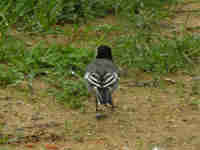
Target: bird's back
column 102, row 66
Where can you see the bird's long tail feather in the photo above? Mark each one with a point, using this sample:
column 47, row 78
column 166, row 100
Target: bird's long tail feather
column 104, row 96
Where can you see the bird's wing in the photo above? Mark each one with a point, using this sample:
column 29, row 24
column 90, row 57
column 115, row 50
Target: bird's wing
column 93, row 79
column 110, row 79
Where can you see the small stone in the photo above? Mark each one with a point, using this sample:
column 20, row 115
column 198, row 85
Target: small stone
column 98, row 115
column 125, row 108
column 20, row 102
column 196, row 78
column 19, row 129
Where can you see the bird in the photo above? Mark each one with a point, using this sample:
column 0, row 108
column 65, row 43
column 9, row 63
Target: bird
column 102, row 76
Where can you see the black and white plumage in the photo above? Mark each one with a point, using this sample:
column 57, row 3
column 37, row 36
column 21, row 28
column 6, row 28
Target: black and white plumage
column 102, row 76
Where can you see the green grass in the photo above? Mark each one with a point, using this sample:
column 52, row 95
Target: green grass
column 54, row 64
column 3, row 138
column 140, row 45
column 38, row 15
column 155, row 53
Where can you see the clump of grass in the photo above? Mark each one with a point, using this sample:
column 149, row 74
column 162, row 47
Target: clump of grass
column 9, row 75
column 157, row 53
column 4, row 139
column 38, row 15
column 37, row 60
column 71, row 93
column 53, row 64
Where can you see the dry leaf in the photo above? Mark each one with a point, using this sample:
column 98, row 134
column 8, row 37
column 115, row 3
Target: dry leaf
column 51, row 147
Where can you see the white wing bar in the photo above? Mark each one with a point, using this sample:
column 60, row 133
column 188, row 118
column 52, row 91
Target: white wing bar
column 108, row 79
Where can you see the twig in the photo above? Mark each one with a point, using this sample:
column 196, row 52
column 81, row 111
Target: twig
column 186, row 11
column 188, row 59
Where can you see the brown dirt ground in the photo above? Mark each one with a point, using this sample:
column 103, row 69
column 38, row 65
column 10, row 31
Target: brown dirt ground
column 166, row 116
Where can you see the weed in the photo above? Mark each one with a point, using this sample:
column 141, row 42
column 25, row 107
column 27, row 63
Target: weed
column 195, row 102
column 72, row 93
column 4, row 139
column 68, row 125
column 54, row 64
column 9, row 75
column 159, row 55
column 195, row 88
column 38, row 15
column 78, row 138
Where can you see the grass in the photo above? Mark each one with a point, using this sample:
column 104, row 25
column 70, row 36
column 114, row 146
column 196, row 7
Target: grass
column 160, row 54
column 54, row 63
column 138, row 43
column 19, row 63
column 40, row 15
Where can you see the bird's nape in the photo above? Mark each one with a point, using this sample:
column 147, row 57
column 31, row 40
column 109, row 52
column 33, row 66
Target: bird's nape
column 104, row 52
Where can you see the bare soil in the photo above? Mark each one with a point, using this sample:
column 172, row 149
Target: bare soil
column 165, row 115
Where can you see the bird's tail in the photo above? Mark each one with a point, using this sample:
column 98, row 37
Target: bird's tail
column 104, row 96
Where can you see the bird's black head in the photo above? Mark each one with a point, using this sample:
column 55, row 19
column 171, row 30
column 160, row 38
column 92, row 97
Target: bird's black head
column 105, row 52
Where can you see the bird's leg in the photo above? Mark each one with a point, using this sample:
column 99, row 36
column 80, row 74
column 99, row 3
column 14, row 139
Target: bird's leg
column 96, row 105
column 96, row 96
column 110, row 99
column 112, row 105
